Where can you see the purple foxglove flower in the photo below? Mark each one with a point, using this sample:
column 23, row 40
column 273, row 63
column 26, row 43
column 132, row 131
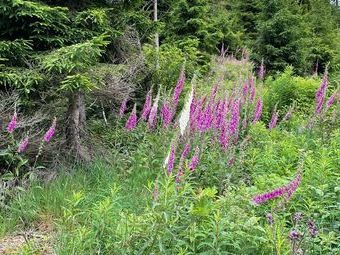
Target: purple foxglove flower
column 194, row 161
column 291, row 188
column 224, row 137
column 171, row 160
column 50, row 133
column 235, row 117
column 320, row 93
column 122, row 108
column 12, row 124
column 166, row 114
column 153, row 113
column 179, row 87
column 273, row 120
column 245, row 89
column 312, row 228
column 286, row 191
column 185, row 151
column 213, row 94
column 23, row 145
column 331, row 100
column 131, row 123
column 262, row 71
column 252, row 89
column 258, row 110
column 259, row 199
column 147, row 105
column 270, row 219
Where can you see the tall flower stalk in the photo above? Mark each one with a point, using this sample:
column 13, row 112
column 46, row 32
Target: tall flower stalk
column 12, row 124
column 147, row 105
column 132, row 120
column 123, row 107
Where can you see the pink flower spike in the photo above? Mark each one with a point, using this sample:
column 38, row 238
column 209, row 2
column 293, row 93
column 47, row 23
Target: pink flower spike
column 179, row 87
column 320, row 93
column 331, row 100
column 171, row 160
column 185, row 151
column 273, row 120
column 132, row 120
column 194, row 161
column 262, row 71
column 50, row 133
column 123, row 107
column 258, row 110
column 23, row 145
column 147, row 105
column 12, row 124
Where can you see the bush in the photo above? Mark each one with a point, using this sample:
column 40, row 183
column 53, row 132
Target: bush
column 286, row 89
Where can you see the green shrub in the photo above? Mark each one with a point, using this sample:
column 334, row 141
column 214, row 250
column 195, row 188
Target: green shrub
column 286, row 89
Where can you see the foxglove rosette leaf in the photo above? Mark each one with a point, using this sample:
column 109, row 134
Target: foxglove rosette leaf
column 132, row 120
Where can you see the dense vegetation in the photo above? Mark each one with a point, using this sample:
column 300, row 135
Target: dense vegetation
column 197, row 127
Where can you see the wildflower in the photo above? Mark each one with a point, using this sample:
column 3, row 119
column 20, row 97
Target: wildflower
column 12, row 124
column 23, row 145
column 194, row 161
column 147, row 105
column 287, row 190
column 122, row 108
column 273, row 121
column 294, row 235
column 179, row 87
column 262, row 71
column 320, row 93
column 224, row 137
column 185, row 151
column 185, row 115
column 153, row 112
column 235, row 117
column 50, row 133
column 132, row 120
column 312, row 228
column 258, row 110
column 331, row 100
column 166, row 114
column 252, row 89
column 270, row 219
column 171, row 160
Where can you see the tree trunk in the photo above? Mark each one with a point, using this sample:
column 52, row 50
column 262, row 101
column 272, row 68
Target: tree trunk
column 76, row 121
